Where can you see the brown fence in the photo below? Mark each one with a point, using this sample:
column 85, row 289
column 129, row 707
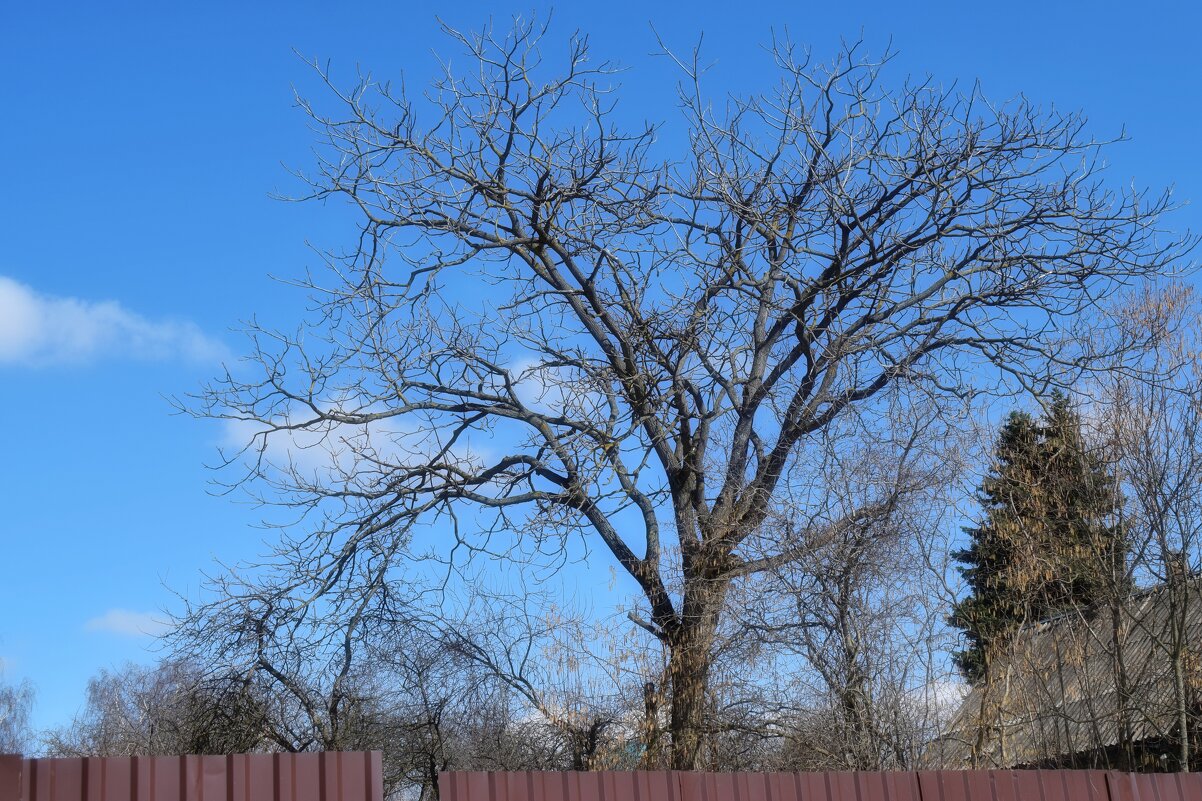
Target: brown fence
column 973, row 785
column 244, row 777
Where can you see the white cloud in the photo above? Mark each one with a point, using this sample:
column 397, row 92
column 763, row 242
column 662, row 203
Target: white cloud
column 37, row 329
column 340, row 452
column 322, row 449
column 129, row 624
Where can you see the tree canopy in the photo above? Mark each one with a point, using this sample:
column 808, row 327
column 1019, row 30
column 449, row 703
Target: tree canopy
column 551, row 328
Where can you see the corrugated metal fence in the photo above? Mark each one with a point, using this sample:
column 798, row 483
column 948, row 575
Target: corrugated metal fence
column 972, row 785
column 358, row 777
column 351, row 776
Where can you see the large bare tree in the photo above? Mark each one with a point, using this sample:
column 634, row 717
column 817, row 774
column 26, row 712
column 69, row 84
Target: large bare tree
column 552, row 326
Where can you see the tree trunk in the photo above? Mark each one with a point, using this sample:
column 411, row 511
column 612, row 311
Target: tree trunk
column 689, row 660
column 1177, row 574
column 1182, row 714
column 650, row 734
column 688, row 666
column 1122, row 686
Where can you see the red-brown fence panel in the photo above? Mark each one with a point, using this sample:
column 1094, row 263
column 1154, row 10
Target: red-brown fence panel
column 1013, row 785
column 942, row 785
column 10, row 776
column 1154, row 786
column 328, row 776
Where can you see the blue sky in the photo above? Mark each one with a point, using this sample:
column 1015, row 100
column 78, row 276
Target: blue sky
column 142, row 144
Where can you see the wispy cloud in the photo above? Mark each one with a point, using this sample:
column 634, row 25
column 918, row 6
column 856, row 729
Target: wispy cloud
column 129, row 624
column 341, row 452
column 38, row 329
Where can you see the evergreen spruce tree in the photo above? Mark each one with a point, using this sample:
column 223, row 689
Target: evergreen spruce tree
column 1047, row 542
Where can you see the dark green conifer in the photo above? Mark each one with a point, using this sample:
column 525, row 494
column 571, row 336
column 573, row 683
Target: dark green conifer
column 1047, row 541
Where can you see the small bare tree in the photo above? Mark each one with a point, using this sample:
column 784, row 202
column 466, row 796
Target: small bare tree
column 15, row 704
column 162, row 710
column 566, row 668
column 1155, row 429
column 858, row 619
column 435, row 710
column 660, row 335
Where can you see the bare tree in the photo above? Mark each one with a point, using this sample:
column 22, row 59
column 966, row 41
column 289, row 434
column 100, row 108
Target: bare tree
column 483, row 698
column 1155, row 429
column 166, row 709
column 663, row 335
column 431, row 693
column 858, row 618
column 16, row 701
column 311, row 665
column 567, row 668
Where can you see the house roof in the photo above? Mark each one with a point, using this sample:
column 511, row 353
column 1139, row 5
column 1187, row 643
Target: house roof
column 1054, row 693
